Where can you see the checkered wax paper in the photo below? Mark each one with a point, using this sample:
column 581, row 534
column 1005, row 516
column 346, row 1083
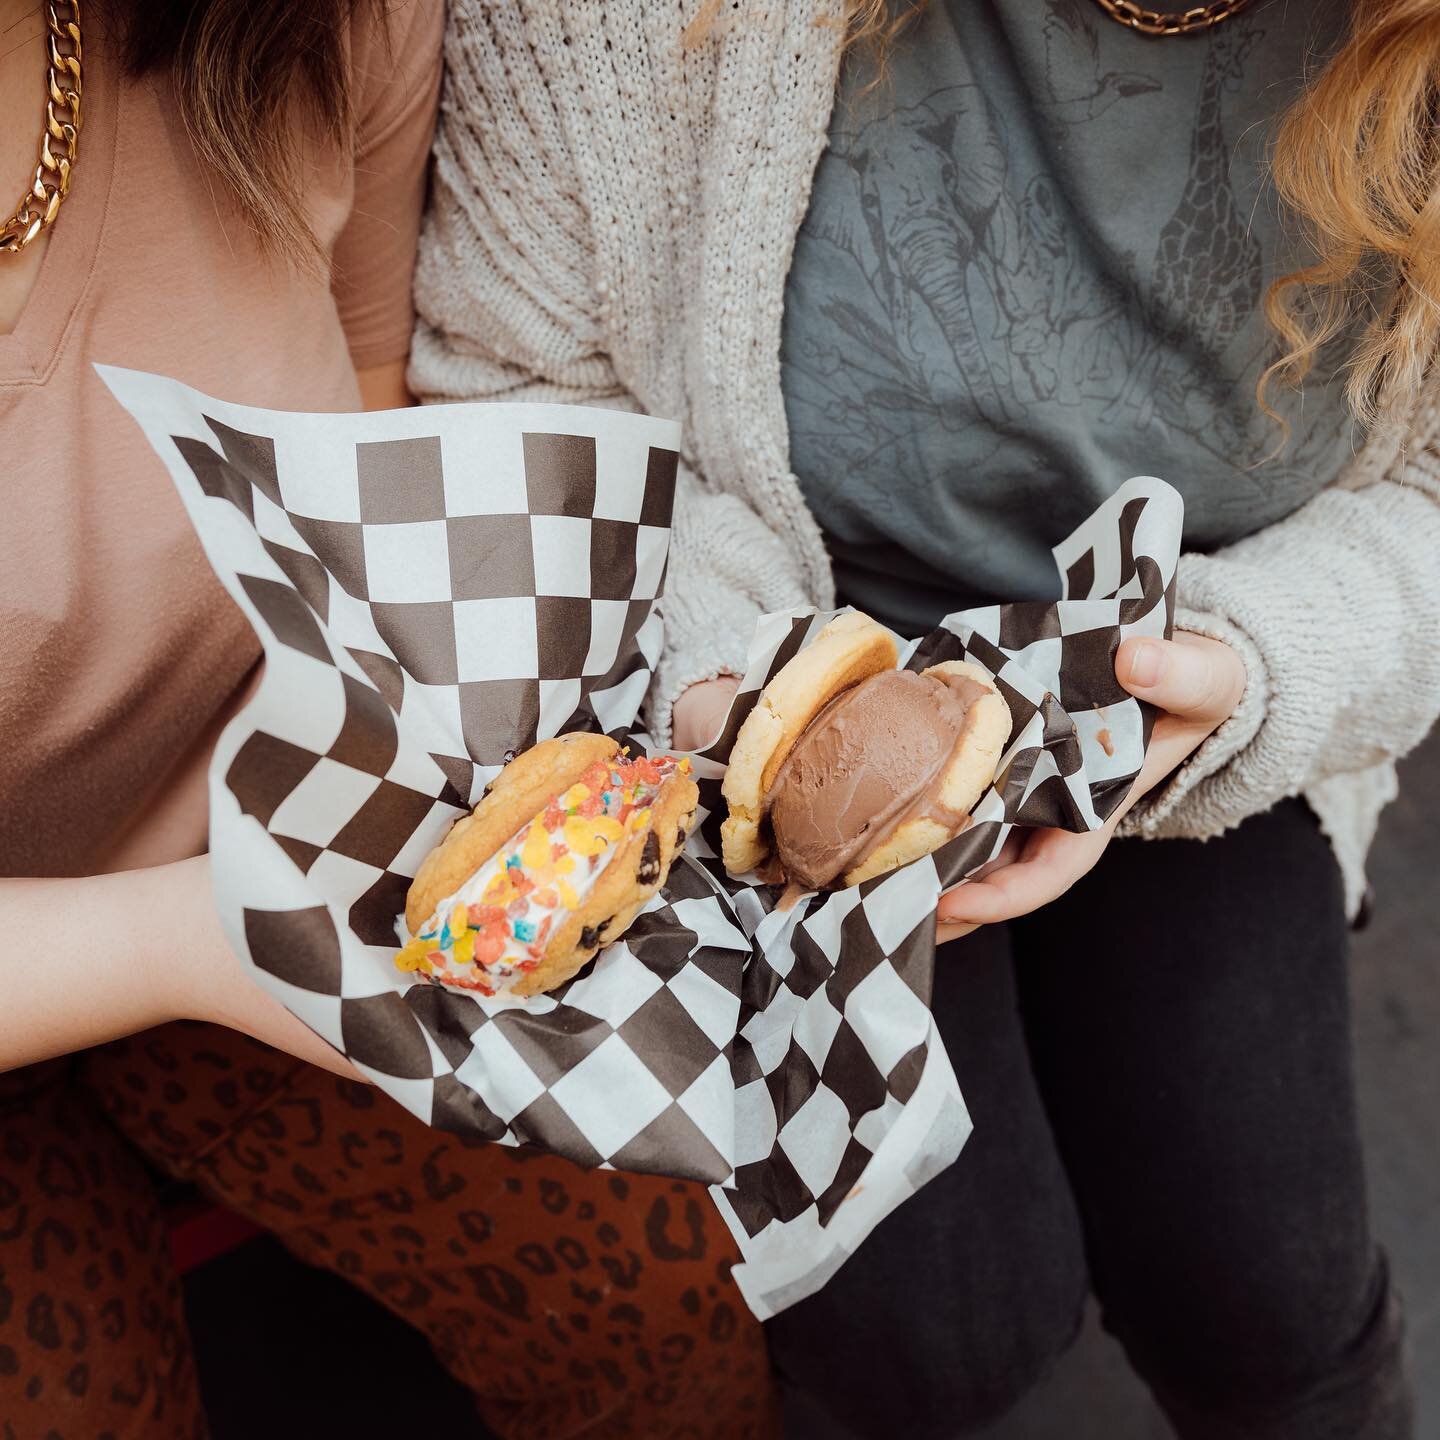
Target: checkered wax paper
column 437, row 588
column 846, row 1102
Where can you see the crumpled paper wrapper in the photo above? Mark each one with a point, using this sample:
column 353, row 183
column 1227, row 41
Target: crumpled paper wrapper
column 436, row 589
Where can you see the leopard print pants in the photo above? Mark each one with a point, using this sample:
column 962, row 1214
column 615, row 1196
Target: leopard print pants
column 571, row 1303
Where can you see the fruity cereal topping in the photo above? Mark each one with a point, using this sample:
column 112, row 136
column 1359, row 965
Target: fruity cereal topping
column 494, row 929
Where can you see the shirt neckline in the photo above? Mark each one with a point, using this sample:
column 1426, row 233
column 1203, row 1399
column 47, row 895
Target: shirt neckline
column 67, row 270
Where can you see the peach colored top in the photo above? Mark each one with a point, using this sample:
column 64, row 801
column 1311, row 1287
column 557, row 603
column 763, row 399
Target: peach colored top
column 120, row 654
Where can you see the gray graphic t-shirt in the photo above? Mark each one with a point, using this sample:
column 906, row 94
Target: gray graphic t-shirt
column 1033, row 266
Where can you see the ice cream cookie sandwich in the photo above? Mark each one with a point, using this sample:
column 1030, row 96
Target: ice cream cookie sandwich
column 848, row 767
column 565, row 848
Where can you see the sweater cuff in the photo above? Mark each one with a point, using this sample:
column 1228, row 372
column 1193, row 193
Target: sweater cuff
column 692, row 655
column 1180, row 805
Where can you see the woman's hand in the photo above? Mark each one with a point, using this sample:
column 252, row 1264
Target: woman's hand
column 1197, row 683
column 700, row 710
column 86, row 961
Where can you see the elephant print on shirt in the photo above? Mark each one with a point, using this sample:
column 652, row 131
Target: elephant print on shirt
column 952, row 280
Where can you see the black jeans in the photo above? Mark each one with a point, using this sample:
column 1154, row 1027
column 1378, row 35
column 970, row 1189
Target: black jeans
column 1158, row 1066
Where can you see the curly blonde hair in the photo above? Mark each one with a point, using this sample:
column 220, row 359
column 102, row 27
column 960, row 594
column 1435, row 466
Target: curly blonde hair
column 1356, row 159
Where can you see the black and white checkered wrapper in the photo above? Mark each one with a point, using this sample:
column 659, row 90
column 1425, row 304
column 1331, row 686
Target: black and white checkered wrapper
column 437, row 588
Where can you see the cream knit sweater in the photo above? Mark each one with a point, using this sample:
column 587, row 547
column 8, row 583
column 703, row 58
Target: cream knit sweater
column 612, row 219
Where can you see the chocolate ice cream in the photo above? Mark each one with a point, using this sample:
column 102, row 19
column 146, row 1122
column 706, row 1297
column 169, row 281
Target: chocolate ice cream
column 870, row 760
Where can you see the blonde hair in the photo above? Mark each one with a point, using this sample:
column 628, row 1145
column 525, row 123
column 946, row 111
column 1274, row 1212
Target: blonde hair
column 1356, row 159
column 870, row 25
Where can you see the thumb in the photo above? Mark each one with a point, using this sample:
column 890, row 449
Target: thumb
column 700, row 710
column 1191, row 676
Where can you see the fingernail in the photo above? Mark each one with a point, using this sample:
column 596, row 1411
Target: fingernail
column 1147, row 664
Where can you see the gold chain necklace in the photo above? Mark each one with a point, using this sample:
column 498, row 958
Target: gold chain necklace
column 60, row 140
column 1179, row 22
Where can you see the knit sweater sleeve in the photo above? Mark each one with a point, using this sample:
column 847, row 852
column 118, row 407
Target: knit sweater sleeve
column 508, row 307
column 1335, row 611
column 726, row 570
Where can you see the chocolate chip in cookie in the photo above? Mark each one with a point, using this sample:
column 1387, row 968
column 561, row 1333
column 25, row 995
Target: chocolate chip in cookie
column 592, row 935
column 649, row 871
